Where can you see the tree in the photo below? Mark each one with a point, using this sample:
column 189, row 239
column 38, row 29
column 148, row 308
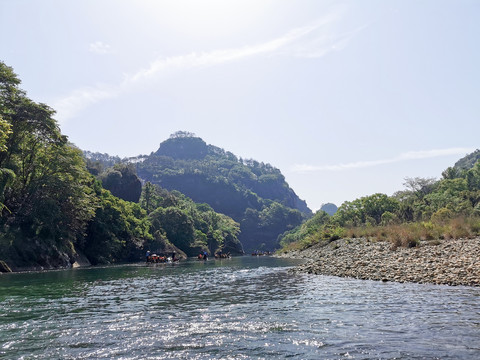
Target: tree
column 43, row 180
column 123, row 182
column 182, row 134
column 117, row 232
column 6, row 175
column 368, row 209
column 5, row 131
column 473, row 177
column 451, row 173
column 420, row 186
column 177, row 225
column 149, row 199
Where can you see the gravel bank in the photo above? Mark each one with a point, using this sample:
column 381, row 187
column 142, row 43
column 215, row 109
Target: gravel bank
column 449, row 262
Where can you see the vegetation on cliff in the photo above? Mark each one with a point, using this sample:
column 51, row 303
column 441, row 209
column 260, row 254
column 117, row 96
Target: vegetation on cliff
column 190, row 226
column 254, row 194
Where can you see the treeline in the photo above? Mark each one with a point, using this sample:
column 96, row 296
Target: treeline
column 425, row 210
column 53, row 208
column 253, row 193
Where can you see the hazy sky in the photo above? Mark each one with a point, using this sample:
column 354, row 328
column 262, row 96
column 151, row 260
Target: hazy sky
column 346, row 98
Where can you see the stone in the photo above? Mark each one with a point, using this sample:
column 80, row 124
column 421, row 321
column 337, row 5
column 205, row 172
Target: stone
column 4, row 267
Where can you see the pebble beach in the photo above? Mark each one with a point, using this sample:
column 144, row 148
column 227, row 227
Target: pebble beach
column 446, row 262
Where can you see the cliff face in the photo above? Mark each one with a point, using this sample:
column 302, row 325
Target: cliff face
column 254, row 194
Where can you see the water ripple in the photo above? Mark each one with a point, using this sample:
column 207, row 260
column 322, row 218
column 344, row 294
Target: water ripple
column 244, row 308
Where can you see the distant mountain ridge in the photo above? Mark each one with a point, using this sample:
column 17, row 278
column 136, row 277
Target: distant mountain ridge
column 253, row 193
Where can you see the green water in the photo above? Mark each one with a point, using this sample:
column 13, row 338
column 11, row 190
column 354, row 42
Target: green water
column 241, row 308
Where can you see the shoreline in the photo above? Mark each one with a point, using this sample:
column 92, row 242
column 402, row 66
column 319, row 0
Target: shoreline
column 80, row 261
column 442, row 262
column 31, row 269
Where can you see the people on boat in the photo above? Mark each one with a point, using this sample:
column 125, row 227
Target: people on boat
column 261, row 253
column 154, row 258
column 222, row 255
column 202, row 256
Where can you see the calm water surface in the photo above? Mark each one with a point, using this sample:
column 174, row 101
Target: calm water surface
column 240, row 308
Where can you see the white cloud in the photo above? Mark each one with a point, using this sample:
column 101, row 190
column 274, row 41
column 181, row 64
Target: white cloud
column 410, row 155
column 70, row 105
column 311, row 41
column 99, row 47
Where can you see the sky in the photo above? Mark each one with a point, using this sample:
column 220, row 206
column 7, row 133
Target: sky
column 346, row 98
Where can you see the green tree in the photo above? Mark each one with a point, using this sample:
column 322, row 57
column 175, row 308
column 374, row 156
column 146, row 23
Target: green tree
column 43, row 181
column 307, row 229
column 473, row 177
column 123, row 182
column 450, row 173
column 368, row 209
column 177, row 225
column 6, row 175
column 149, row 199
column 117, row 232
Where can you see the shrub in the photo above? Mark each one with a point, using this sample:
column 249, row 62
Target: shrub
column 442, row 215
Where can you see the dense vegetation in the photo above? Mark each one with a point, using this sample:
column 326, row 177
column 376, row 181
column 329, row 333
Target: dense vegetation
column 122, row 181
column 192, row 227
column 57, row 202
column 427, row 209
column 46, row 194
column 52, row 208
column 254, row 194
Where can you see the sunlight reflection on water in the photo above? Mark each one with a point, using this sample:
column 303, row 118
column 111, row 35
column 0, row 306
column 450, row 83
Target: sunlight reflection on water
column 238, row 308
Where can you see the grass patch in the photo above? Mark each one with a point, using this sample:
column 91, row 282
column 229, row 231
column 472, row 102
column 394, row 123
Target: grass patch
column 400, row 235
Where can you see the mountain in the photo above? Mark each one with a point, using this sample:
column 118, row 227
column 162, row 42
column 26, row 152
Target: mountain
column 468, row 161
column 329, row 208
column 254, row 194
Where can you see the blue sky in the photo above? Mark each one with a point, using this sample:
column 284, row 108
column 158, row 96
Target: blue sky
column 346, row 98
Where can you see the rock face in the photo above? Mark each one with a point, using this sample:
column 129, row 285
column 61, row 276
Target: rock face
column 449, row 262
column 80, row 260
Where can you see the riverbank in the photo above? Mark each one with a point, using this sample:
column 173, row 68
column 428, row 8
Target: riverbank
column 448, row 262
column 62, row 261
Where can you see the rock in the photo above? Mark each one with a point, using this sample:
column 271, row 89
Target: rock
column 80, row 260
column 451, row 262
column 4, row 267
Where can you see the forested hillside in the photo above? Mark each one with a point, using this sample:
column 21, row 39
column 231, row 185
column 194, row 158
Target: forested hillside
column 427, row 209
column 254, row 194
column 53, row 209
column 467, row 162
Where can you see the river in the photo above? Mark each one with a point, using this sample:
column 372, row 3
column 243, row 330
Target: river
column 240, row 308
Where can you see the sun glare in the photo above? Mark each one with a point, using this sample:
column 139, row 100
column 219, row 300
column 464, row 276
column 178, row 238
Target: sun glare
column 206, row 16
